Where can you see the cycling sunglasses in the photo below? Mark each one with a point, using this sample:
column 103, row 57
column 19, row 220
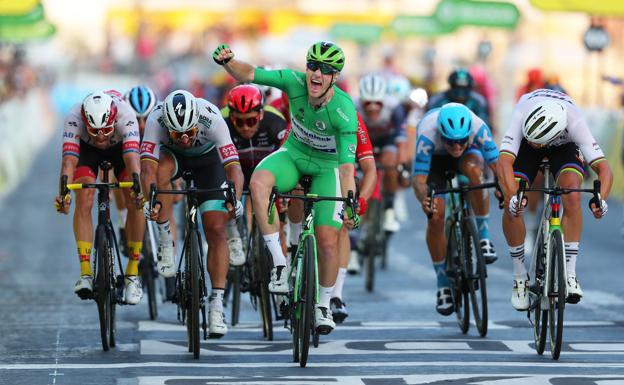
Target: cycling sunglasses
column 326, row 69
column 189, row 133
column 249, row 122
column 452, row 142
column 108, row 130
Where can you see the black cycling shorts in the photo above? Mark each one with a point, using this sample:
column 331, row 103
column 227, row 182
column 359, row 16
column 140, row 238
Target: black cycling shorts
column 564, row 157
column 440, row 164
column 91, row 157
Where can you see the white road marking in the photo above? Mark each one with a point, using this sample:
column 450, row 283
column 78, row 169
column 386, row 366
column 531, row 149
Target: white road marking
column 427, row 346
column 596, row 347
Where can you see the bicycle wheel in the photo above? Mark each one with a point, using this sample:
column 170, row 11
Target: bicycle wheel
column 103, row 290
column 146, row 266
column 455, row 272
column 556, row 293
column 306, row 300
column 236, row 293
column 540, row 316
column 193, row 319
column 261, row 264
column 373, row 240
column 475, row 276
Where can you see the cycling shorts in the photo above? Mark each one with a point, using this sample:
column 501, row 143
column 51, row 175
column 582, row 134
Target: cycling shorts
column 91, row 157
column 566, row 157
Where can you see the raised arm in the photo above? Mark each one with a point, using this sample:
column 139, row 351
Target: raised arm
column 241, row 71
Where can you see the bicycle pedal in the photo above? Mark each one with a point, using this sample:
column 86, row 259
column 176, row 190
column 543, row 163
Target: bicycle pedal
column 85, row 294
column 215, row 335
column 573, row 299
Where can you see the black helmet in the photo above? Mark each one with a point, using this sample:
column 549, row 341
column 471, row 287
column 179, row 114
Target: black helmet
column 461, row 83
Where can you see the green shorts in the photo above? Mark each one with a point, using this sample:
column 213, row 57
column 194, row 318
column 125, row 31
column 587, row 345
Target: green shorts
column 288, row 165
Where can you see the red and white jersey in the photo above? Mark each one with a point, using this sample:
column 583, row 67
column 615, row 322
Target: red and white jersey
column 126, row 130
column 576, row 132
column 213, row 133
column 364, row 148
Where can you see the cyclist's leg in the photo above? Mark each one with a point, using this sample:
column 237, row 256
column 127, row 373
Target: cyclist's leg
column 388, row 160
column 122, row 215
column 235, row 243
column 338, row 307
column 168, row 168
column 295, row 217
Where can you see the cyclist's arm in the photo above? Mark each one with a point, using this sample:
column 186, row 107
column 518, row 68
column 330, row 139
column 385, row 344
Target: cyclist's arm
column 505, row 173
column 419, row 183
column 346, row 123
column 150, row 149
column 367, row 185
column 240, row 70
column 68, row 166
column 234, row 173
column 220, row 135
column 606, row 177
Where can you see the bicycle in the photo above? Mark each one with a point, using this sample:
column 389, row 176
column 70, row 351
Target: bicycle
column 190, row 284
column 108, row 284
column 465, row 264
column 299, row 303
column 548, row 292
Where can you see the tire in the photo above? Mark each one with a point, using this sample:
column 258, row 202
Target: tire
column 315, row 339
column 476, row 276
column 540, row 316
column 262, row 264
column 236, row 293
column 193, row 318
column 146, row 266
column 557, row 284
column 459, row 290
column 103, row 290
column 374, row 238
column 306, row 300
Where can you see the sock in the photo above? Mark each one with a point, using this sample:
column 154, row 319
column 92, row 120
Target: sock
column 123, row 215
column 517, row 257
column 232, row 229
column 164, row 231
column 342, row 273
column 571, row 252
column 84, row 255
column 132, row 268
column 295, row 232
column 440, row 270
column 325, row 295
column 483, row 226
column 272, row 242
column 388, row 201
column 216, row 299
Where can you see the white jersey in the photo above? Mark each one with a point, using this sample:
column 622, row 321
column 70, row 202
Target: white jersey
column 126, row 130
column 387, row 124
column 213, row 133
column 576, row 132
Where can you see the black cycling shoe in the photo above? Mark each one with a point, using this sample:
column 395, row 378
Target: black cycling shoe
column 338, row 309
column 444, row 302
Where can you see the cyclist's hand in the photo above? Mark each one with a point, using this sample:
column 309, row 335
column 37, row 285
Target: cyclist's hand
column 235, row 211
column 516, row 208
column 138, row 199
column 62, row 204
column 362, row 205
column 351, row 223
column 152, row 214
column 428, row 208
column 222, row 54
column 599, row 209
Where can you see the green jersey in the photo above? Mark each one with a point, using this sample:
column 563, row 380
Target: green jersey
column 327, row 133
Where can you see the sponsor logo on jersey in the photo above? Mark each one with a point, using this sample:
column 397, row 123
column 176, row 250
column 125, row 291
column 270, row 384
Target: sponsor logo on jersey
column 206, row 121
column 352, row 148
column 228, row 151
column 131, row 133
column 424, row 148
column 130, row 123
column 68, row 134
column 320, row 125
column 71, row 148
column 484, row 137
column 72, row 123
column 342, row 114
column 130, row 146
column 325, row 143
column 147, row 147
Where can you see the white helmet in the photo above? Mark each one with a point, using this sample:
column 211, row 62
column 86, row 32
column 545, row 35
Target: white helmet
column 545, row 122
column 419, row 97
column 180, row 112
column 373, row 88
column 99, row 110
column 399, row 87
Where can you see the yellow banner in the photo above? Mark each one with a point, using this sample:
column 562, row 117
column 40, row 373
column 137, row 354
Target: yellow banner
column 601, row 7
column 17, row 7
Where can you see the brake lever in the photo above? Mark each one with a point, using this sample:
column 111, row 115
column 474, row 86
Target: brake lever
column 501, row 198
column 596, row 198
column 152, row 196
column 63, row 189
column 136, row 184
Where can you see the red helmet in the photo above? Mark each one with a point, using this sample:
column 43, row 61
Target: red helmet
column 245, row 98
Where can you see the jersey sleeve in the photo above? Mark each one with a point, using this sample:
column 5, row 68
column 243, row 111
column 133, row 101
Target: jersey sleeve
column 346, row 122
column 582, row 136
column 289, row 81
column 153, row 135
column 72, row 129
column 220, row 136
column 398, row 121
column 425, row 144
column 129, row 127
column 364, row 146
column 482, row 138
column 277, row 126
column 513, row 136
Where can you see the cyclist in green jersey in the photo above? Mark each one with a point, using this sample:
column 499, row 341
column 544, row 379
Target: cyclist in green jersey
column 322, row 145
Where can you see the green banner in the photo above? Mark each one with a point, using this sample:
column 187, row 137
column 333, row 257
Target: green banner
column 420, row 26
column 361, row 33
column 496, row 14
column 35, row 15
column 19, row 33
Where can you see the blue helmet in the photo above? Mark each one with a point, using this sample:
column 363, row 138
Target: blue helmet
column 454, row 121
column 142, row 100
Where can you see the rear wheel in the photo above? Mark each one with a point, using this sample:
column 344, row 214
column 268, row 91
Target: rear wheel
column 556, row 293
column 475, row 276
column 374, row 244
column 306, row 300
column 261, row 264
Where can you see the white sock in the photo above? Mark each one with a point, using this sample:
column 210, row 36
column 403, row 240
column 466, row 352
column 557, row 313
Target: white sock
column 272, row 241
column 216, row 299
column 342, row 273
column 325, row 295
column 571, row 252
column 123, row 216
column 295, row 232
column 517, row 257
column 232, row 229
column 164, row 231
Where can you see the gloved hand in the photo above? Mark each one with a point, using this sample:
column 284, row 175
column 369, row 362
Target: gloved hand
column 62, row 204
column 515, row 206
column 222, row 54
column 599, row 209
column 152, row 214
column 239, row 210
column 362, row 205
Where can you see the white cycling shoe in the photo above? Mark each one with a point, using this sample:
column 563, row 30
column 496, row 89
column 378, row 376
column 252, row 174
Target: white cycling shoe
column 520, row 294
column 134, row 290
column 574, row 290
column 323, row 320
column 391, row 223
column 279, row 280
column 237, row 256
column 217, row 327
column 84, row 287
column 354, row 263
column 166, row 259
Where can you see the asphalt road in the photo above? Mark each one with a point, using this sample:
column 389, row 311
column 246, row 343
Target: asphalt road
column 392, row 336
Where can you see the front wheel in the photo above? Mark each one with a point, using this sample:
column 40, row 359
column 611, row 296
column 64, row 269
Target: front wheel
column 475, row 276
column 193, row 318
column 306, row 300
column 455, row 271
column 104, row 290
column 556, row 293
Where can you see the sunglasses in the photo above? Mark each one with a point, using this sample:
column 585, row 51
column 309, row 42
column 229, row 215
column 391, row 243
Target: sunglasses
column 378, row 105
column 452, row 142
column 106, row 131
column 326, row 69
column 179, row 135
column 249, row 122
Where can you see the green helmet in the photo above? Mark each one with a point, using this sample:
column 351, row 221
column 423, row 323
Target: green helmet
column 328, row 53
